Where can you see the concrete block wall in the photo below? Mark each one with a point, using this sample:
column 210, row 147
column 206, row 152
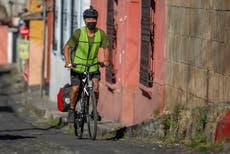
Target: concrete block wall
column 197, row 52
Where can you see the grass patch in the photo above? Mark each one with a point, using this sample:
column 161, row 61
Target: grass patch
column 69, row 129
column 53, row 121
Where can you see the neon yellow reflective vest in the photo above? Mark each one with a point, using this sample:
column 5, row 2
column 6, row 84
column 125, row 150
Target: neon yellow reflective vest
column 85, row 54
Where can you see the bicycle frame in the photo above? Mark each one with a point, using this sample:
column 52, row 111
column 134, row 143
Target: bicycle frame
column 87, row 95
column 87, row 73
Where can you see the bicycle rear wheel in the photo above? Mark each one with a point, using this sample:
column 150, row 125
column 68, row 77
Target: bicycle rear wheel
column 92, row 116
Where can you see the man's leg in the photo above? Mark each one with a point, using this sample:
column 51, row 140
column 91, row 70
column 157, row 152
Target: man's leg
column 96, row 88
column 75, row 82
column 73, row 96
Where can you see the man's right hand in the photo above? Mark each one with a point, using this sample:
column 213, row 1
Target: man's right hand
column 68, row 65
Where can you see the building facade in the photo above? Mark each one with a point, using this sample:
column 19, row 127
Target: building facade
column 133, row 88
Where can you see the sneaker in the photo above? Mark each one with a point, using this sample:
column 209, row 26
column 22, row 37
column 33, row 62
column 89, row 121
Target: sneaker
column 71, row 115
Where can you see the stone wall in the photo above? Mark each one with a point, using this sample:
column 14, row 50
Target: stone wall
column 197, row 52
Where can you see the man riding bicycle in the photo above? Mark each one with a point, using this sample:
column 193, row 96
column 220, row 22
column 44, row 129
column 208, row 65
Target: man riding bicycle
column 86, row 42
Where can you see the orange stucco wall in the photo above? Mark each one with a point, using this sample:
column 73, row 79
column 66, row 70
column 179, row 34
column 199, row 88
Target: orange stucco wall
column 3, row 44
column 32, row 5
column 35, row 52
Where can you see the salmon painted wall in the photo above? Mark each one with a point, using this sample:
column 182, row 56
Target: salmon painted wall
column 35, row 52
column 130, row 42
column 3, row 44
column 110, row 100
column 124, row 101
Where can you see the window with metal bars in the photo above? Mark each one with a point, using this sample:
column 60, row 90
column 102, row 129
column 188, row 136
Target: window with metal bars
column 112, row 36
column 146, row 73
column 74, row 15
column 64, row 27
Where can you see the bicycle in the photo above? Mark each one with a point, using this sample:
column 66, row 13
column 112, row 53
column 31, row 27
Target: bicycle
column 86, row 107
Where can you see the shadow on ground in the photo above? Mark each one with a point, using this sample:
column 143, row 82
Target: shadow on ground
column 14, row 137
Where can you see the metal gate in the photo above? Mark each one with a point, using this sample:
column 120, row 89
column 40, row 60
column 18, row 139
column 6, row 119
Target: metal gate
column 112, row 36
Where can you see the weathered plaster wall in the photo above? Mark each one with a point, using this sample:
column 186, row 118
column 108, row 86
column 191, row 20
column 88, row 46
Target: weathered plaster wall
column 197, row 52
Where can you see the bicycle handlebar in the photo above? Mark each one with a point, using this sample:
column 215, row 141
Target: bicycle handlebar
column 101, row 64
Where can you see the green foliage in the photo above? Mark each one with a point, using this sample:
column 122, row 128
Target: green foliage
column 170, row 121
column 166, row 122
column 198, row 139
column 199, row 120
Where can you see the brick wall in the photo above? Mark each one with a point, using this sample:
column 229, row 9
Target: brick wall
column 197, row 52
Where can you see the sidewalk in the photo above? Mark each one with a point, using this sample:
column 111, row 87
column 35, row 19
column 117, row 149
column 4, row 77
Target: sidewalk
column 46, row 108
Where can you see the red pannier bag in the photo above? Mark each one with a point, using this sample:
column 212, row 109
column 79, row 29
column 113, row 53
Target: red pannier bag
column 63, row 101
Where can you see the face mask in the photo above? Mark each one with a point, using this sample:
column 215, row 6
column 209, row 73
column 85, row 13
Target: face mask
column 91, row 25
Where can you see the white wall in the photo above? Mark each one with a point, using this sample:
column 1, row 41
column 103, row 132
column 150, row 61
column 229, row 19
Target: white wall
column 59, row 76
column 10, row 47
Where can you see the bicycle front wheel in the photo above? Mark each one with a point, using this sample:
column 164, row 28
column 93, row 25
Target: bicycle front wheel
column 92, row 116
column 79, row 122
column 79, row 126
column 79, row 116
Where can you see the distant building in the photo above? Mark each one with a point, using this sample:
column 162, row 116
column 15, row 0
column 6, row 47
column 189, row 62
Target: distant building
column 9, row 10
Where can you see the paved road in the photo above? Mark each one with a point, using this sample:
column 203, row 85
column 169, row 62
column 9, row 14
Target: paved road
column 20, row 133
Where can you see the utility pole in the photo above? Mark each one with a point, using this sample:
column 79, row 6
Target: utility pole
column 11, row 3
column 43, row 47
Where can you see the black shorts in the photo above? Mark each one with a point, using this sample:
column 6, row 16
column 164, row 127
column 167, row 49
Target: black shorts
column 76, row 77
